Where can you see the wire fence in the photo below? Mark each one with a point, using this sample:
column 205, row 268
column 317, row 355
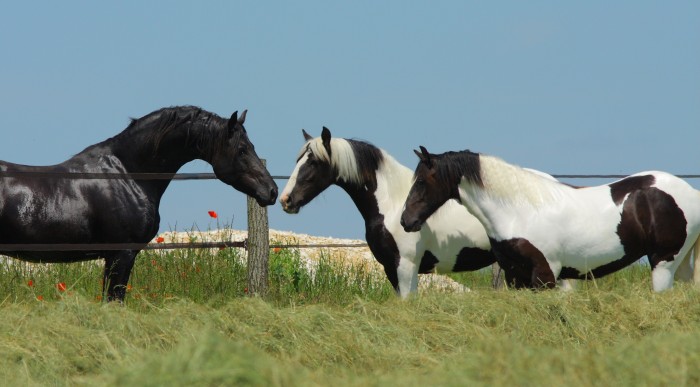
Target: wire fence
column 18, row 247
column 211, row 176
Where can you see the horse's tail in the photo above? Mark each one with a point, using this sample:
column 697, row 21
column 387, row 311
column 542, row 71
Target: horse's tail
column 696, row 261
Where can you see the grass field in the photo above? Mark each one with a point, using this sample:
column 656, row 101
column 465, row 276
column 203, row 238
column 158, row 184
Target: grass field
column 189, row 321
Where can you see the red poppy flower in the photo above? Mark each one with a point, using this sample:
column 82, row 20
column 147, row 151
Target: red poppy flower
column 160, row 240
column 61, row 286
column 213, row 214
column 30, row 283
column 40, row 298
column 276, row 250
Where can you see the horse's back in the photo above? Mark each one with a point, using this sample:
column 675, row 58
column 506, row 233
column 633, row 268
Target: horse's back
column 50, row 207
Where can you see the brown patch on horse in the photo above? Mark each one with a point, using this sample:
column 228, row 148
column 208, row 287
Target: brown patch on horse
column 473, row 258
column 621, row 188
column 523, row 263
column 652, row 224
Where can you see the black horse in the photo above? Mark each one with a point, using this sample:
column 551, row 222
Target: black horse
column 45, row 205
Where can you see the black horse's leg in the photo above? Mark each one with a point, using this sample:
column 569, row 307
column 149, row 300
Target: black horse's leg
column 393, row 277
column 116, row 276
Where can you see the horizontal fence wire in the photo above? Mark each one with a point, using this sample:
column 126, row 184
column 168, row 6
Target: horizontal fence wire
column 156, row 246
column 115, row 176
column 211, row 176
column 11, row 247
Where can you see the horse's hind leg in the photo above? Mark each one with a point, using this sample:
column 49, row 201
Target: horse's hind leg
column 116, row 275
column 685, row 270
column 666, row 267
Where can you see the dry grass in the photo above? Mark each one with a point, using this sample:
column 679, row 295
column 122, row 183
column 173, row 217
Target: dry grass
column 188, row 321
column 626, row 336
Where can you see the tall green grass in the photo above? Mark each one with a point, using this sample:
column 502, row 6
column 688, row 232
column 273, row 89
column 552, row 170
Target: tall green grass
column 188, row 321
column 207, row 276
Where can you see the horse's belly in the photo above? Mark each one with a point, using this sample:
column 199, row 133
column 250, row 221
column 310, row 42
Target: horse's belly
column 582, row 239
column 54, row 256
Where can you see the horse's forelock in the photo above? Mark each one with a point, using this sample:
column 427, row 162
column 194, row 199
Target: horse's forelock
column 342, row 158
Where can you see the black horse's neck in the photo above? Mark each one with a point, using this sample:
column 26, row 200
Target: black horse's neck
column 165, row 140
column 362, row 192
column 160, row 142
column 365, row 200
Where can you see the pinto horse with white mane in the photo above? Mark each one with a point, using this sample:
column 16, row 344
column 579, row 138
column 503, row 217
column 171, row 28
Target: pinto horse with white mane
column 541, row 230
column 45, row 205
column 452, row 240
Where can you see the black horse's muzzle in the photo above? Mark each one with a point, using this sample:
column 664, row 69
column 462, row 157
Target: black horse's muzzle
column 268, row 198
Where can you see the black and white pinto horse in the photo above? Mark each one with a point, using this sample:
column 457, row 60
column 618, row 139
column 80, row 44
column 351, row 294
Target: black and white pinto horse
column 51, row 209
column 541, row 230
column 452, row 239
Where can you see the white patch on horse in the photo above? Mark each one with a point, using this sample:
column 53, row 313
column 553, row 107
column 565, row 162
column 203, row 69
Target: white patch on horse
column 292, row 181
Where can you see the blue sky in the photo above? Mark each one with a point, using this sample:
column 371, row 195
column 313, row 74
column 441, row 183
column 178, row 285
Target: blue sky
column 593, row 87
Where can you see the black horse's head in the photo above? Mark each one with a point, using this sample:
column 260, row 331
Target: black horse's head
column 312, row 174
column 428, row 193
column 236, row 164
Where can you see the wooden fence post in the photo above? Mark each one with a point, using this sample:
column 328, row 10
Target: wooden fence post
column 258, row 247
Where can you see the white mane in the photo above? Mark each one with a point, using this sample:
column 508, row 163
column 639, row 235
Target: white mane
column 512, row 184
column 393, row 178
column 342, row 157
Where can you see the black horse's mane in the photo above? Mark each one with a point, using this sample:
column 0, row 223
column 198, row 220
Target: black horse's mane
column 455, row 165
column 206, row 130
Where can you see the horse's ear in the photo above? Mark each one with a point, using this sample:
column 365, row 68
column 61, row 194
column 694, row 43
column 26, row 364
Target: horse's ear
column 232, row 121
column 307, row 136
column 424, row 155
column 326, row 138
column 241, row 119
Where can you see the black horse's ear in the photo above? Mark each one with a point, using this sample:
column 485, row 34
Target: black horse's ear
column 232, row 122
column 307, row 136
column 241, row 119
column 424, row 155
column 326, row 138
